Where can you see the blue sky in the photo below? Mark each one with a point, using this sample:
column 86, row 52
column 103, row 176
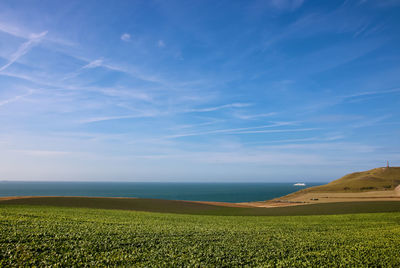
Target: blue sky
column 280, row 90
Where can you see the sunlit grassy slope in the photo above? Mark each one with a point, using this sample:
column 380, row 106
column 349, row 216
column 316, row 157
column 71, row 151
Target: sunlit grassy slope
column 371, row 180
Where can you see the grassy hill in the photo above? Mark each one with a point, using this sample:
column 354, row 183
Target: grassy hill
column 377, row 179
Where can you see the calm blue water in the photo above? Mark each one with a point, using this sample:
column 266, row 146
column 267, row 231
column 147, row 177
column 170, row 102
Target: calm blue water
column 222, row 192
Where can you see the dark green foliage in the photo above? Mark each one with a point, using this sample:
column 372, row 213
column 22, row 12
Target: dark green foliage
column 44, row 236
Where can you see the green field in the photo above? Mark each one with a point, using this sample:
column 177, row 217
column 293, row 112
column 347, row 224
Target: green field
column 64, row 236
column 182, row 207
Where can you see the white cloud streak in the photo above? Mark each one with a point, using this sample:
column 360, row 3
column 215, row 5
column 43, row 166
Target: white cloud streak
column 89, row 65
column 16, row 98
column 371, row 121
column 118, row 117
column 376, row 92
column 93, row 64
column 42, row 152
column 216, row 108
column 276, row 130
column 34, row 39
column 12, row 30
column 246, row 130
column 355, row 97
column 254, row 116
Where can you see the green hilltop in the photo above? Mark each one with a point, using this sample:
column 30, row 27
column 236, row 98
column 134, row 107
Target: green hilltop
column 377, row 179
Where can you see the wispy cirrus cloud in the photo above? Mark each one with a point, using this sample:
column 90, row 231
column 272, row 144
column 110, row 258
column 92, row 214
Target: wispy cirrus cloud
column 89, row 65
column 34, row 39
column 93, row 64
column 225, row 106
column 373, row 92
column 371, row 121
column 325, row 146
column 43, row 153
column 129, row 70
column 189, row 126
column 244, row 130
column 16, row 98
column 24, row 32
column 118, row 117
column 300, row 141
column 13, row 30
column 351, row 98
column 153, row 113
column 276, row 130
column 254, row 116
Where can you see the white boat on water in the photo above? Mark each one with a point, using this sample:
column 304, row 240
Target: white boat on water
column 299, row 184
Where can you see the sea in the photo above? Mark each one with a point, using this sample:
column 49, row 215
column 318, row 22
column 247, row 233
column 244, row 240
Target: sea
column 220, row 192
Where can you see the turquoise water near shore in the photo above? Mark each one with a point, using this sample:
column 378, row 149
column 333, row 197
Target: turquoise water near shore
column 221, row 192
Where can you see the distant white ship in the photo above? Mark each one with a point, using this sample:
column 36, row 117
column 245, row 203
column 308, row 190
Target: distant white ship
column 299, row 184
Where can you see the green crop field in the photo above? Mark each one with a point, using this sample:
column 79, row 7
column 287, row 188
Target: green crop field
column 182, row 207
column 65, row 236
